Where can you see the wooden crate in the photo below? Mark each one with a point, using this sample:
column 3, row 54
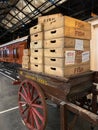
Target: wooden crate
column 36, row 44
column 48, row 18
column 26, row 59
column 67, row 32
column 36, row 29
column 25, row 65
column 36, row 67
column 36, row 36
column 78, row 44
column 26, row 52
column 54, row 52
column 36, row 59
column 37, row 52
column 67, row 21
column 68, row 70
column 53, row 61
column 61, row 52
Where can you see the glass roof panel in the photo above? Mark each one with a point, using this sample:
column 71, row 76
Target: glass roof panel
column 21, row 4
column 14, row 11
column 38, row 3
column 14, row 21
column 9, row 25
column 9, row 17
column 4, row 21
column 20, row 15
column 28, row 9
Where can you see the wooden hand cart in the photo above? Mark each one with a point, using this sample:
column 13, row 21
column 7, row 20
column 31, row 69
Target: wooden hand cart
column 69, row 93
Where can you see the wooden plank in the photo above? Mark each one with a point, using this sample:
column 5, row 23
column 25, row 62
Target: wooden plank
column 36, row 67
column 63, row 117
column 35, row 29
column 25, row 58
column 67, row 32
column 36, row 44
column 77, row 69
column 36, row 36
column 25, row 65
column 37, row 52
column 26, row 52
column 54, row 33
column 67, row 21
column 76, row 23
column 54, row 52
column 36, row 59
column 77, row 33
column 53, row 70
column 65, row 42
column 68, row 70
column 53, row 61
column 48, row 18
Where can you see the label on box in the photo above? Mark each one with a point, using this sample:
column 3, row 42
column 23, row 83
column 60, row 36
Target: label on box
column 79, row 44
column 85, row 56
column 69, row 57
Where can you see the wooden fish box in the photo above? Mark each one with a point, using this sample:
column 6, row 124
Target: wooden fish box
column 37, row 52
column 36, row 44
column 25, row 65
column 53, row 61
column 78, row 44
column 36, row 59
column 36, row 29
column 61, row 52
column 36, row 67
column 67, row 21
column 26, row 52
column 48, row 18
column 68, row 70
column 54, row 52
column 36, row 36
column 67, row 32
column 26, row 59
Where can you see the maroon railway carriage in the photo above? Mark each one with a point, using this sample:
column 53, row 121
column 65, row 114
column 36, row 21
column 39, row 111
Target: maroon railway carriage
column 12, row 52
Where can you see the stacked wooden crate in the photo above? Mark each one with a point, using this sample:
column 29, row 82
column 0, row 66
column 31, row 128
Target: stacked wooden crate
column 66, row 46
column 26, row 59
column 36, row 48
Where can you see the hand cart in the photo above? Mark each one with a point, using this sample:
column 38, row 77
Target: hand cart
column 69, row 93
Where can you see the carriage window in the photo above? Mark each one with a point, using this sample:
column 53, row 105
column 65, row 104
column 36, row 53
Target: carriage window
column 0, row 54
column 7, row 52
column 15, row 53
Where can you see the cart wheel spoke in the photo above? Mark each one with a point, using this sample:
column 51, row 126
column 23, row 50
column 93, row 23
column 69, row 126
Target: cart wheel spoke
column 28, row 90
column 37, row 106
column 38, row 114
column 35, row 99
column 24, row 110
column 22, row 102
column 36, row 120
column 22, row 96
column 33, row 113
column 25, row 93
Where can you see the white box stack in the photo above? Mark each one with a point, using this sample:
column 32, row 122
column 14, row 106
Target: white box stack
column 36, row 47
column 26, row 59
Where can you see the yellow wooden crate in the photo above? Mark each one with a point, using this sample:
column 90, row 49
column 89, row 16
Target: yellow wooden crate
column 36, row 29
column 67, row 32
column 67, row 42
column 67, row 21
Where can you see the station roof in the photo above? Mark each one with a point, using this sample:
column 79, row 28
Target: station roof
column 17, row 16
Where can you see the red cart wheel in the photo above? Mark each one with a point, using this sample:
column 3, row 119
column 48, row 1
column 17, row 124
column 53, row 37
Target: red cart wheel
column 32, row 105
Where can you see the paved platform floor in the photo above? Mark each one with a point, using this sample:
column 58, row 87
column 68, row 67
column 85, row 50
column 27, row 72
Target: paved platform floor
column 9, row 114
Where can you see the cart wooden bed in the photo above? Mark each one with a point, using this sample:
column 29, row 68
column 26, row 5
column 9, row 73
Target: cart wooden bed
column 69, row 93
